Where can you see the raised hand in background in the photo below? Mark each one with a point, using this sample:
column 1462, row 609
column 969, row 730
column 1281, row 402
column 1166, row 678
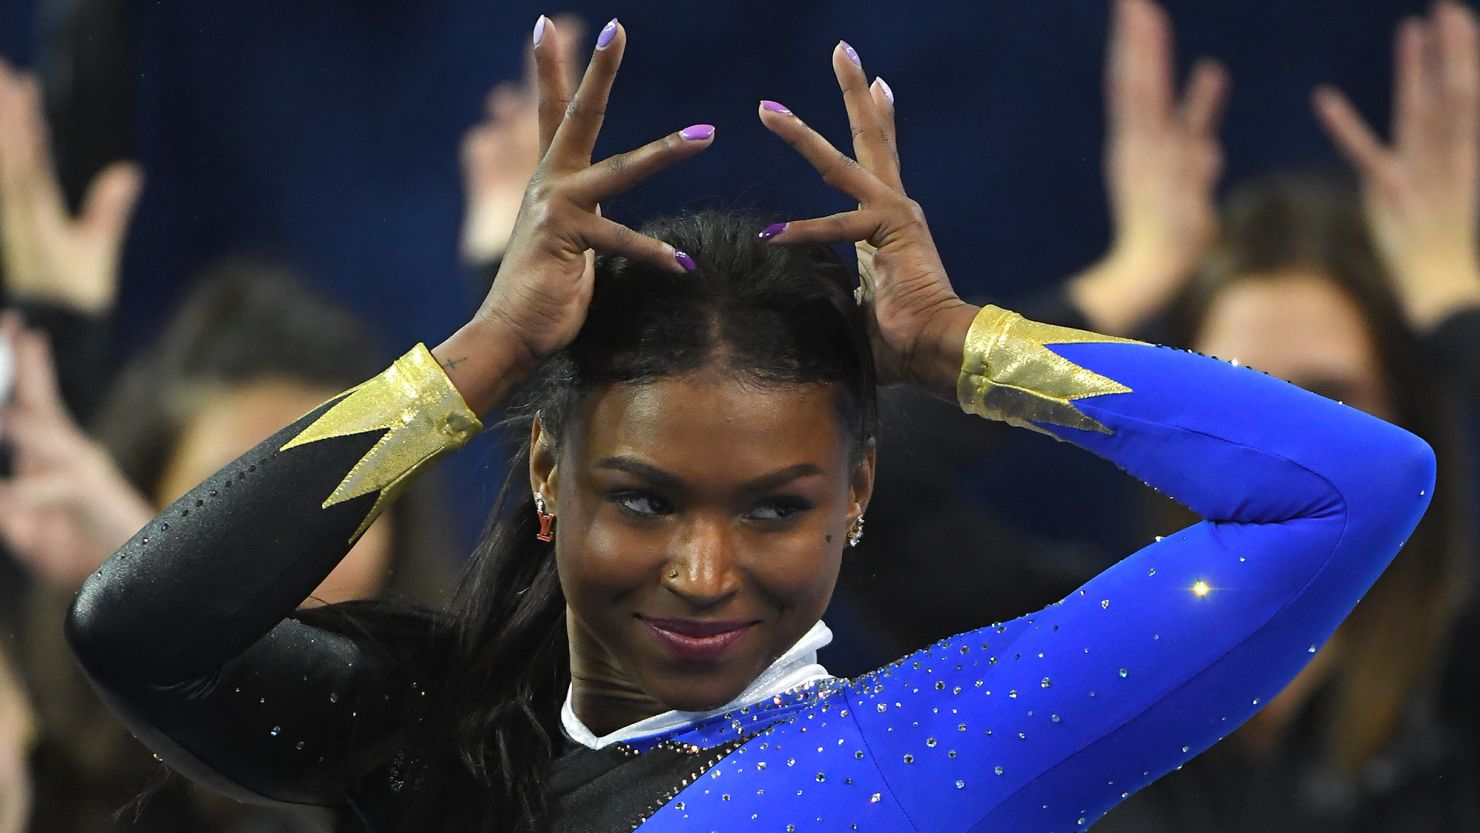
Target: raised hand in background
column 48, row 256
column 66, row 507
column 1421, row 190
column 1162, row 162
column 500, row 153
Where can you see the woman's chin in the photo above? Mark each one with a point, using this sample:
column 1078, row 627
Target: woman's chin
column 699, row 696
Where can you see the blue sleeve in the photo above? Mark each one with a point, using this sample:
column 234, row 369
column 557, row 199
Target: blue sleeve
column 1046, row 722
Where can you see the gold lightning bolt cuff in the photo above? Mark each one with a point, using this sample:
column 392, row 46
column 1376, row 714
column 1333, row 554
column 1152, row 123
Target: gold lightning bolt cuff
column 423, row 417
column 1009, row 374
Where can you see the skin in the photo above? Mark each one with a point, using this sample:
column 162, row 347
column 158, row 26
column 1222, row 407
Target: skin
column 711, row 433
column 230, row 424
column 1301, row 327
column 659, row 478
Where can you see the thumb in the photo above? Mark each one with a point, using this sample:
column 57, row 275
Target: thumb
column 110, row 201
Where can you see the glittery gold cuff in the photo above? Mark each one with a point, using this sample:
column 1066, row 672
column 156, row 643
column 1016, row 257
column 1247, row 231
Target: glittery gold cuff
column 423, row 417
column 1009, row 374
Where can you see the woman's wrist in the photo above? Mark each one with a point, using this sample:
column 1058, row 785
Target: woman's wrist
column 937, row 365
column 483, row 364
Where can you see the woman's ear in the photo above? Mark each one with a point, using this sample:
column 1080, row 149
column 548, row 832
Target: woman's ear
column 543, row 471
column 861, row 486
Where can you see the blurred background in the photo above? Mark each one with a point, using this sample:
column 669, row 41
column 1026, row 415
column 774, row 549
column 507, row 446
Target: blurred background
column 215, row 215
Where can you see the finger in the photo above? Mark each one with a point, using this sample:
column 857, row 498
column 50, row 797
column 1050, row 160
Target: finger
column 573, row 32
column 37, row 172
column 608, row 237
column 1353, row 137
column 36, row 388
column 1140, row 96
column 1412, row 104
column 869, row 144
column 576, row 137
column 838, row 169
column 47, row 490
column 884, row 103
column 1207, row 92
column 110, row 201
column 843, row 227
column 550, row 72
column 505, row 101
column 616, row 174
column 1460, row 47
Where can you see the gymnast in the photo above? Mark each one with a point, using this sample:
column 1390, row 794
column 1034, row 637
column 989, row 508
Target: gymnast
column 635, row 644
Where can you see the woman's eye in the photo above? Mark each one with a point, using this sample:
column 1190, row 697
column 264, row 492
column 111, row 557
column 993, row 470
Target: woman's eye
column 778, row 510
column 643, row 504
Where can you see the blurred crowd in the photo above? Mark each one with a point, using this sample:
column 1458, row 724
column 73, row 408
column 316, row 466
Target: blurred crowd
column 1361, row 285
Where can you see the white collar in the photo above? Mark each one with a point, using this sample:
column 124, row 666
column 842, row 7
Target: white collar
column 794, row 668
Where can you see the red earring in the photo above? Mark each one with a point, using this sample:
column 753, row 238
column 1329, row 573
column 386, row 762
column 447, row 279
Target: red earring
column 547, row 520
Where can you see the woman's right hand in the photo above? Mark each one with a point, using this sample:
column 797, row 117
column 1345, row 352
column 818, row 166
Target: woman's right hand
column 539, row 298
column 1162, row 161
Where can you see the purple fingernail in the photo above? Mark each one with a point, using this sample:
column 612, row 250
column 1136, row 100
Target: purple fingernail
column 775, row 107
column 695, row 132
column 608, row 32
column 684, row 260
column 884, row 85
column 539, row 30
column 771, row 231
column 851, row 53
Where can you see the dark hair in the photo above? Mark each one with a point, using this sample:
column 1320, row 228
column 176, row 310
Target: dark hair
column 1281, row 223
column 768, row 315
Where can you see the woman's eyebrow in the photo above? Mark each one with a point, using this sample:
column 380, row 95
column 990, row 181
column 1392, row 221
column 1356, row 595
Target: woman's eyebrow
column 659, row 477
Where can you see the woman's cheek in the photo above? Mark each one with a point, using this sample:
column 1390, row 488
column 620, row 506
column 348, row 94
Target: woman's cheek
column 610, row 556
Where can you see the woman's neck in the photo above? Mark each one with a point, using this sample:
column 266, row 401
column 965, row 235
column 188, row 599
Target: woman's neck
column 601, row 695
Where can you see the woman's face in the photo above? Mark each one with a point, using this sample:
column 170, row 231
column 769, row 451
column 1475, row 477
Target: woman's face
column 693, row 501
column 1301, row 327
column 228, row 426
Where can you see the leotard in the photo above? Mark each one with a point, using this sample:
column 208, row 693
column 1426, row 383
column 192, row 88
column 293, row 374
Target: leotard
column 1042, row 723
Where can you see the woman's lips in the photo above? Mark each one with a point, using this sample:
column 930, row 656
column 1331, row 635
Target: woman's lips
column 699, row 641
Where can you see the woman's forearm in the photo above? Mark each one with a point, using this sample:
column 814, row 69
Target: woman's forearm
column 218, row 568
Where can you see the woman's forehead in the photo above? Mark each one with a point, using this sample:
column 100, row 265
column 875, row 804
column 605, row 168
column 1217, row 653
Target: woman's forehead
column 705, row 422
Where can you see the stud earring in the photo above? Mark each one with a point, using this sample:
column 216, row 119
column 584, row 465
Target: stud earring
column 547, row 520
column 855, row 532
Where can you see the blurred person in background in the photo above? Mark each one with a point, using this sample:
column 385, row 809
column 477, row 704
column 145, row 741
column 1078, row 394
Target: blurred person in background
column 249, row 350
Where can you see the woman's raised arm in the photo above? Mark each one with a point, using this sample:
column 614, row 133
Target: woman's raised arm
column 1046, row 722
column 189, row 629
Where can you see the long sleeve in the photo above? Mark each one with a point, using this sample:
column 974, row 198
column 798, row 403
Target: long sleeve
column 189, row 629
column 1045, row 722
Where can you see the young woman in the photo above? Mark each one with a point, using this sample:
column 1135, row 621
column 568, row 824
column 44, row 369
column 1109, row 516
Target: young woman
column 636, row 646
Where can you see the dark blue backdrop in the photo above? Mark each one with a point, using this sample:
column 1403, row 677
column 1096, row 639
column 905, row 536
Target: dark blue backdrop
column 326, row 131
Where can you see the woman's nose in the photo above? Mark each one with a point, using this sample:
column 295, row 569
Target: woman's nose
column 704, row 567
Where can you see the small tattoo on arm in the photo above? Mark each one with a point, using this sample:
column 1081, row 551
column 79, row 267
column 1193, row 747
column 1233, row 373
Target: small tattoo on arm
column 451, row 364
column 829, row 537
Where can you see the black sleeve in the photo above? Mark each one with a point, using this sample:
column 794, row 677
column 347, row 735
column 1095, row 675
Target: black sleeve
column 189, row 629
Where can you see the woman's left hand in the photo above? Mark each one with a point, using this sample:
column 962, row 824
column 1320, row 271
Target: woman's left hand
column 917, row 321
